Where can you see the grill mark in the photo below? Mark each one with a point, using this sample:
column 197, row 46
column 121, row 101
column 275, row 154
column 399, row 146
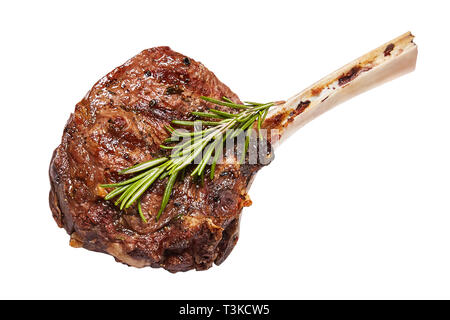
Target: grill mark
column 349, row 76
column 389, row 48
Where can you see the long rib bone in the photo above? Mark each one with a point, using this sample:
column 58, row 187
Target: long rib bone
column 385, row 63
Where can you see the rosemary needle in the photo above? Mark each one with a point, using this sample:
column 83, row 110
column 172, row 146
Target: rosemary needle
column 167, row 193
column 143, row 166
column 140, row 211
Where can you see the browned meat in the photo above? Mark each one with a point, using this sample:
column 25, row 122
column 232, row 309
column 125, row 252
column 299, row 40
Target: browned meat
column 119, row 123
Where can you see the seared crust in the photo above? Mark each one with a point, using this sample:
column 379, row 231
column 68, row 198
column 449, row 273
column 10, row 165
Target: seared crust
column 119, row 123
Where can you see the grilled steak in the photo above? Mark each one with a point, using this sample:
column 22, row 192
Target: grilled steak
column 121, row 122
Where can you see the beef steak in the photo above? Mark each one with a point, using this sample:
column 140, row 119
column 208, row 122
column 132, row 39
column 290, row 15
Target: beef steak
column 121, row 122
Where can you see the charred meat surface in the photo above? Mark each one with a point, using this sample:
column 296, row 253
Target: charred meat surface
column 121, row 122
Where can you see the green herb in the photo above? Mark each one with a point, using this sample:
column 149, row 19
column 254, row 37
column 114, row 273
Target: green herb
column 207, row 144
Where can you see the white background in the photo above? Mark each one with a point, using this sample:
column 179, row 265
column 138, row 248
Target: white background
column 355, row 205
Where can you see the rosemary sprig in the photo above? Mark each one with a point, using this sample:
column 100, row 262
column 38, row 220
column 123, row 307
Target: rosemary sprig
column 207, row 144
